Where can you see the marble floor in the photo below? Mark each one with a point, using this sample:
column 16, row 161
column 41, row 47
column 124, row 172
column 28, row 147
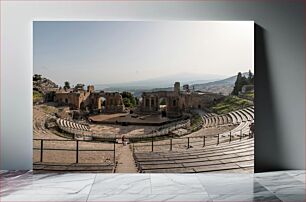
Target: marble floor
column 270, row 186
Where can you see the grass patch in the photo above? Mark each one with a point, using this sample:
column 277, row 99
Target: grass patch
column 230, row 103
column 195, row 122
column 37, row 96
column 249, row 95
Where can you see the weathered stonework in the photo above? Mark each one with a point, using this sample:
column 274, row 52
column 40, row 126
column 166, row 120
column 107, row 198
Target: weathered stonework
column 80, row 99
column 177, row 101
column 113, row 101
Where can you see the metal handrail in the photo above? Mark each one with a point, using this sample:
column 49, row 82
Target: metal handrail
column 76, row 149
column 230, row 139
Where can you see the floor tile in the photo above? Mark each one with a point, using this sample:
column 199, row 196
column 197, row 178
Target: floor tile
column 298, row 175
column 121, row 184
column 48, row 184
column 174, row 184
column 281, row 183
column 43, row 198
column 150, row 198
column 237, row 184
column 245, row 198
column 287, row 186
column 292, row 197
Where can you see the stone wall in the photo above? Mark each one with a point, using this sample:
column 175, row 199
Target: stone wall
column 90, row 100
column 176, row 101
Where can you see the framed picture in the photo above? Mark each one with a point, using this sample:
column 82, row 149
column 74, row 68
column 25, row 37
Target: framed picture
column 143, row 96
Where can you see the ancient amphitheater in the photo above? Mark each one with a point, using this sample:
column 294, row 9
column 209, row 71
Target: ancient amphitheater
column 221, row 143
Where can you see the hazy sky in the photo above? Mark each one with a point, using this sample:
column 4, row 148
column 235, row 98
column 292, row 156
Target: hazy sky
column 100, row 52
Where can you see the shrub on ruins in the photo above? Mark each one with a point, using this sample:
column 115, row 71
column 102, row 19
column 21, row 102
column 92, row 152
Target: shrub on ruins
column 36, row 77
column 66, row 85
column 37, row 96
column 126, row 102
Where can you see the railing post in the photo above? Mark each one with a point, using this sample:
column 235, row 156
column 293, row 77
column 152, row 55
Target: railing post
column 218, row 139
column 204, row 141
column 188, row 143
column 152, row 144
column 114, row 158
column 41, row 150
column 77, row 151
column 230, row 139
column 170, row 144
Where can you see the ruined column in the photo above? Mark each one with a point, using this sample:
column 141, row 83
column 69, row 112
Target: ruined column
column 144, row 102
column 150, row 103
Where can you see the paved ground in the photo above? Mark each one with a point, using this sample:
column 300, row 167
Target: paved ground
column 129, row 118
column 103, row 117
column 126, row 162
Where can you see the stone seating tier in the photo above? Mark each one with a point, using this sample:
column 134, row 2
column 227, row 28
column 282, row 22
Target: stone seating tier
column 235, row 117
column 238, row 155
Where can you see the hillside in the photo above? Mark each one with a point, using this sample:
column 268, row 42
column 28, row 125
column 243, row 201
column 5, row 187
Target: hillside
column 224, row 86
column 230, row 103
column 41, row 86
column 159, row 82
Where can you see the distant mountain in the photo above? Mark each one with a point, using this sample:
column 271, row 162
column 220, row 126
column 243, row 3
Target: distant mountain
column 224, row 86
column 161, row 82
column 206, row 83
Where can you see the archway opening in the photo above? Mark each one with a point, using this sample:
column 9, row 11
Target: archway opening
column 163, row 106
column 102, row 104
column 82, row 106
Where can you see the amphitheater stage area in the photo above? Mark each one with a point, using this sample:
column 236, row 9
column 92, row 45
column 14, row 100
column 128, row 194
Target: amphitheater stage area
column 131, row 119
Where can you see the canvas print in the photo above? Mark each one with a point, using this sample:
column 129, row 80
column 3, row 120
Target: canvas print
column 143, row 96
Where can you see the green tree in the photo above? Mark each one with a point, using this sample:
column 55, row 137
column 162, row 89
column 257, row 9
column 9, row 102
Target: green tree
column 126, row 102
column 137, row 100
column 66, row 85
column 36, row 77
column 236, row 87
column 241, row 81
column 163, row 101
column 250, row 78
column 128, row 99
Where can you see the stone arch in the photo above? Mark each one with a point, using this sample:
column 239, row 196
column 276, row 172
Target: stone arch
column 163, row 103
column 101, row 103
column 108, row 102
